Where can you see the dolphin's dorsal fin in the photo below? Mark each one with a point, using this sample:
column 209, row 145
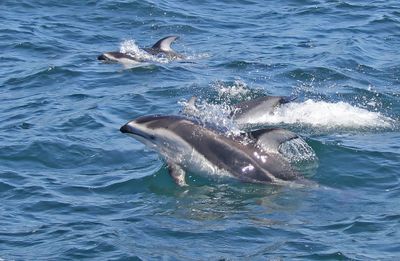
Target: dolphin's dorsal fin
column 271, row 139
column 165, row 43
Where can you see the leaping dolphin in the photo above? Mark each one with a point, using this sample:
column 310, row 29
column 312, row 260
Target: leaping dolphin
column 243, row 112
column 186, row 145
column 161, row 47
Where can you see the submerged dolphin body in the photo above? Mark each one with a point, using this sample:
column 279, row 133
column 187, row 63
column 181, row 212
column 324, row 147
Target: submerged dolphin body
column 186, row 145
column 162, row 48
column 244, row 112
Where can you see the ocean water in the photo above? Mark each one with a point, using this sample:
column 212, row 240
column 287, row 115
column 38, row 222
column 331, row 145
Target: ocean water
column 72, row 187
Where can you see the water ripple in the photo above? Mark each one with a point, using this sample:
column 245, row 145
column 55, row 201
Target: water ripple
column 73, row 187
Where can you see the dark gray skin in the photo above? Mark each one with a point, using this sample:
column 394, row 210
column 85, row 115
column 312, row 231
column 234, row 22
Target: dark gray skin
column 265, row 104
column 257, row 161
column 160, row 48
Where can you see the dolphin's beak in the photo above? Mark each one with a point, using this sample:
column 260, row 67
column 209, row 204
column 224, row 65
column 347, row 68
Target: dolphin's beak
column 128, row 129
column 102, row 57
column 125, row 129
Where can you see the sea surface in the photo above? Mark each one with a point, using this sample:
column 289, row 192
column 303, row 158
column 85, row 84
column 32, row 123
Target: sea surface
column 72, row 187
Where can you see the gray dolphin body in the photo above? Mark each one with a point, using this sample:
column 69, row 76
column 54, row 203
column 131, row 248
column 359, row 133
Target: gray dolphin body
column 161, row 48
column 186, row 145
column 244, row 112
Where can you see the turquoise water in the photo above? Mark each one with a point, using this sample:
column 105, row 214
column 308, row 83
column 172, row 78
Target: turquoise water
column 73, row 187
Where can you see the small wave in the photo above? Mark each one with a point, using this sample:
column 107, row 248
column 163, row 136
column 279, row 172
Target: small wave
column 5, row 187
column 81, row 121
column 37, row 76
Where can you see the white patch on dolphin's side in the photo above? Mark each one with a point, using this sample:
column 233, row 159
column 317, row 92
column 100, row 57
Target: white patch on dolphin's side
column 177, row 150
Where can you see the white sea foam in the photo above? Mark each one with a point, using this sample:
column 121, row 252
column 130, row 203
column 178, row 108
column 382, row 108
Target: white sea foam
column 326, row 115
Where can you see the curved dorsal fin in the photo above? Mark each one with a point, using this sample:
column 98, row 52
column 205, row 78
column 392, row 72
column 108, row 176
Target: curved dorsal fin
column 271, row 139
column 165, row 43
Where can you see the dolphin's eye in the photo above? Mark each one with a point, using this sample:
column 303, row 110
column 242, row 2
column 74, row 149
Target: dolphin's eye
column 152, row 137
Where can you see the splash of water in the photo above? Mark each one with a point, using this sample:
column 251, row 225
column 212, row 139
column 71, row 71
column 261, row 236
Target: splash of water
column 301, row 156
column 198, row 56
column 216, row 115
column 236, row 90
column 131, row 48
column 297, row 150
column 326, row 115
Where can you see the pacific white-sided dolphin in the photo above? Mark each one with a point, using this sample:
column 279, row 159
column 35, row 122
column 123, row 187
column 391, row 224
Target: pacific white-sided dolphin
column 186, row 145
column 160, row 48
column 244, row 112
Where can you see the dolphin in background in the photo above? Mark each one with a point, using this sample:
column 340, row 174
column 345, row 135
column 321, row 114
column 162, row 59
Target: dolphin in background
column 186, row 145
column 243, row 112
column 161, row 48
